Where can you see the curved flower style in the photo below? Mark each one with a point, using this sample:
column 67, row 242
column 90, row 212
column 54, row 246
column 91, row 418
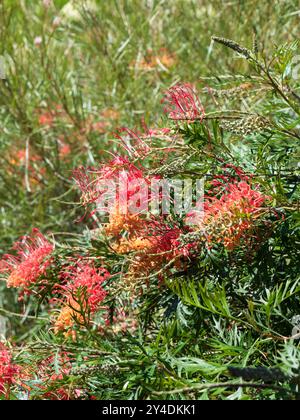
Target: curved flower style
column 30, row 262
column 182, row 103
column 133, row 142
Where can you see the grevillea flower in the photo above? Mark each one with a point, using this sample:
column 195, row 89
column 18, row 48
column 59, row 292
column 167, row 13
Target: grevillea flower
column 231, row 218
column 163, row 59
column 67, row 317
column 87, row 277
column 30, row 262
column 9, row 372
column 86, row 182
column 153, row 245
column 110, row 114
column 183, row 103
column 83, row 295
column 48, row 376
column 119, row 223
column 114, row 183
column 64, row 150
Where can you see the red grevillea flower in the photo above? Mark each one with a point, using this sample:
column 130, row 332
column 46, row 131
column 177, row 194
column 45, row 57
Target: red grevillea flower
column 85, row 180
column 239, row 199
column 48, row 376
column 85, row 277
column 8, row 371
column 183, row 103
column 153, row 244
column 90, row 180
column 118, row 165
column 231, row 218
column 115, row 182
column 82, row 292
column 30, row 262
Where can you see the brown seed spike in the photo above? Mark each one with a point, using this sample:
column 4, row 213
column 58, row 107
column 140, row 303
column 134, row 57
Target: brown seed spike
column 234, row 46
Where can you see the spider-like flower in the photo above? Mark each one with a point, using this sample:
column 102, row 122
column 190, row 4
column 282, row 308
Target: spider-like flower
column 85, row 277
column 231, row 218
column 112, row 186
column 8, row 371
column 83, row 295
column 46, row 377
column 30, row 262
column 153, row 244
column 183, row 103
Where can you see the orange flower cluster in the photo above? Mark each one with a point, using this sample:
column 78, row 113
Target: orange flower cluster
column 69, row 315
column 151, row 241
column 81, row 284
column 151, row 60
column 154, row 242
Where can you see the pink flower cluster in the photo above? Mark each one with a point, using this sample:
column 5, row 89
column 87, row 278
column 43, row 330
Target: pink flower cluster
column 183, row 103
